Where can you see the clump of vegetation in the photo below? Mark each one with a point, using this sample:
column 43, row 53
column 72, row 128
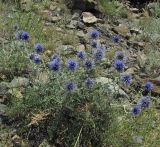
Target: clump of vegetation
column 114, row 8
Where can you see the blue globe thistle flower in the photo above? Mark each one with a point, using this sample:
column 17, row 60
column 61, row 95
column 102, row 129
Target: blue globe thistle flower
column 94, row 34
column 39, row 47
column 55, row 65
column 116, row 39
column 32, row 56
column 120, row 55
column 37, row 60
column 55, row 57
column 98, row 54
column 119, row 65
column 22, row 35
column 94, row 44
column 89, row 83
column 70, row 86
column 145, row 102
column 148, row 86
column 72, row 64
column 88, row 64
column 126, row 79
column 81, row 54
column 136, row 110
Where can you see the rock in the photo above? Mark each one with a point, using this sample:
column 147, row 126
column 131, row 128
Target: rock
column 81, row 4
column 75, row 16
column 66, row 49
column 4, row 86
column 43, row 77
column 121, row 29
column 138, row 139
column 55, row 19
column 89, row 18
column 141, row 58
column 111, row 86
column 134, row 10
column 81, row 34
column 73, row 24
column 81, row 47
column 135, row 31
column 19, row 82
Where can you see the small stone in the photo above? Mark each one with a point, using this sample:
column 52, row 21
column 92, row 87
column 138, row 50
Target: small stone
column 55, row 19
column 73, row 24
column 81, row 34
column 111, row 86
column 121, row 29
column 89, row 18
column 75, row 16
column 19, row 82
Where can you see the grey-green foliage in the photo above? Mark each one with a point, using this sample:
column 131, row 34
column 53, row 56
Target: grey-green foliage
column 113, row 8
column 85, row 109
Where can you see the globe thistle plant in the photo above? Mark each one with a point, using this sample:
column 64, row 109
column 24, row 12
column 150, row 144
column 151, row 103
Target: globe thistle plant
column 126, row 79
column 119, row 55
column 119, row 65
column 136, row 110
column 55, row 65
column 89, row 64
column 148, row 86
column 70, row 86
column 37, row 60
column 116, row 39
column 89, row 83
column 145, row 101
column 72, row 64
column 81, row 54
column 94, row 34
column 39, row 47
column 98, row 54
column 32, row 56
column 22, row 35
column 94, row 44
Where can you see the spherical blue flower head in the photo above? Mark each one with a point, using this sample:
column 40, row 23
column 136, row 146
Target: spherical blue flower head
column 32, row 56
column 148, row 86
column 70, row 86
column 24, row 36
column 37, row 60
column 98, row 54
column 89, row 83
column 39, row 47
column 89, row 64
column 136, row 110
column 81, row 54
column 94, row 34
column 94, row 44
column 119, row 65
column 116, row 39
column 145, row 102
column 119, row 55
column 72, row 64
column 55, row 65
column 55, row 57
column 126, row 79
